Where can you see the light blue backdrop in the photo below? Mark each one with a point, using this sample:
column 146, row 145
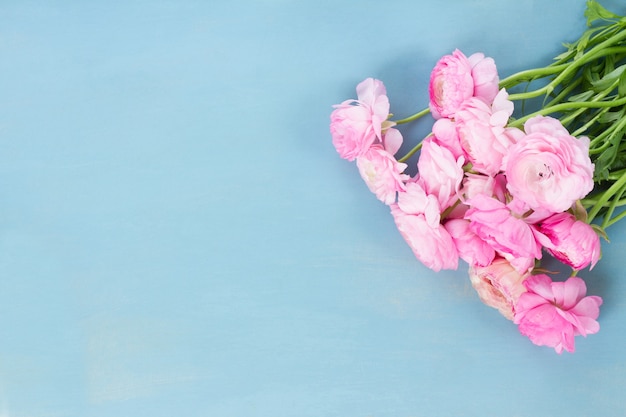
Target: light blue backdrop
column 178, row 236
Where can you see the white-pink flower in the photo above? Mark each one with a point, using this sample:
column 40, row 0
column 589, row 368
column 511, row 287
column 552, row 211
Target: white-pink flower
column 548, row 169
column 455, row 78
column 571, row 241
column 440, row 172
column 355, row 125
column 485, row 76
column 483, row 134
column 553, row 313
column 499, row 285
column 445, row 134
column 414, row 200
column 472, row 249
column 431, row 243
column 382, row 173
column 510, row 236
column 475, row 184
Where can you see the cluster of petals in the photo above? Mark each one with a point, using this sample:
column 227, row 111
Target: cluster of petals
column 456, row 78
column 382, row 173
column 552, row 313
column 499, row 285
column 571, row 241
column 360, row 131
column 417, row 215
column 548, row 168
column 355, row 125
column 493, row 196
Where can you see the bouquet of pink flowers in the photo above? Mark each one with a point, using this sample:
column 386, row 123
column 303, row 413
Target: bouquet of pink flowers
column 500, row 192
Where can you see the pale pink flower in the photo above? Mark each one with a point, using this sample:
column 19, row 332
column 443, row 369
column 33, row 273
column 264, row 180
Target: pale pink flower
column 414, row 200
column 392, row 140
column 485, row 76
column 445, row 134
column 474, row 184
column 355, row 125
column 455, row 78
column 548, row 169
column 499, row 285
column 451, row 83
column 483, row 134
column 472, row 249
column 552, row 313
column 571, row 241
column 430, row 243
column 382, row 173
column 510, row 236
column 440, row 172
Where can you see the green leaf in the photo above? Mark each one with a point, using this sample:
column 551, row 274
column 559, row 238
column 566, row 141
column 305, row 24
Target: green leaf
column 584, row 96
column 595, row 11
column 611, row 116
column 609, row 79
column 621, row 87
column 600, row 231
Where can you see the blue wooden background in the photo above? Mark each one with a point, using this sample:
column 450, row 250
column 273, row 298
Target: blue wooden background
column 178, row 236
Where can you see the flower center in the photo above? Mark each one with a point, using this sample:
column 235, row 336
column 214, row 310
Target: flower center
column 544, row 172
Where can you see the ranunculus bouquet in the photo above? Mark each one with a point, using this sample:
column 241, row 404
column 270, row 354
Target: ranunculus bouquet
column 501, row 192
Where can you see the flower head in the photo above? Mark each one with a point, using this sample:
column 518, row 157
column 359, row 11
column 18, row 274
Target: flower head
column 510, row 236
column 552, row 313
column 382, row 173
column 455, row 78
column 483, row 134
column 548, row 169
column 472, row 249
column 440, row 172
column 571, row 241
column 417, row 217
column 499, row 285
column 355, row 125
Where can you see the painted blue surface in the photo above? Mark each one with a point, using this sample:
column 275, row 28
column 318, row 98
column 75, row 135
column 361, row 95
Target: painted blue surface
column 179, row 238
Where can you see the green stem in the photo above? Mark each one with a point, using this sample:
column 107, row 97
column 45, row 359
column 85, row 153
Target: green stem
column 615, row 219
column 565, row 92
column 412, row 117
column 615, row 175
column 530, row 74
column 606, row 196
column 597, row 98
column 589, row 202
column 612, row 206
column 567, row 69
column 410, row 153
column 568, row 106
column 587, row 125
column 614, row 129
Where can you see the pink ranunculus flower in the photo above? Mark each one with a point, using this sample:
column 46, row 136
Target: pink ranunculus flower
column 472, row 249
column 440, row 172
column 451, row 83
column 483, row 134
column 510, row 236
column 571, row 241
column 455, row 78
column 382, row 173
column 552, row 313
column 485, row 76
column 355, row 125
column 499, row 285
column 392, row 140
column 548, row 169
column 474, row 184
column 414, row 200
column 431, row 243
column 445, row 134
